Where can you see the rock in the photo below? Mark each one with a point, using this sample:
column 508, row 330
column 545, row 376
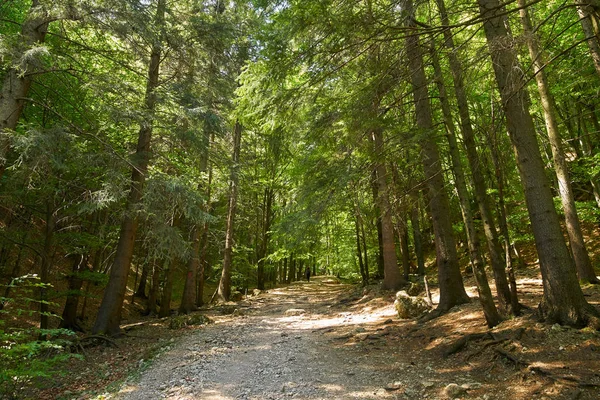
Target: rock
column 188, row 320
column 415, row 289
column 236, row 296
column 256, row 292
column 471, row 386
column 427, row 384
column 410, row 306
column 453, row 391
column 295, row 311
column 393, row 386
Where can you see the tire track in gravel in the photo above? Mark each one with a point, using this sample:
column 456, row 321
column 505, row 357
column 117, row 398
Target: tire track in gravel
column 271, row 352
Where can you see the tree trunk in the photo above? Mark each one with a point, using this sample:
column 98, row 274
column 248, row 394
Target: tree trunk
column 452, row 291
column 16, row 84
column 403, row 236
column 486, row 299
column 585, row 12
column 188, row 298
column 47, row 260
column 480, row 189
column 361, row 265
column 585, row 271
column 152, row 303
column 418, row 242
column 109, row 314
column 563, row 299
column 141, row 289
column 292, row 271
column 264, row 244
column 69, row 314
column 167, row 292
column 378, row 223
column 224, row 290
column 392, row 278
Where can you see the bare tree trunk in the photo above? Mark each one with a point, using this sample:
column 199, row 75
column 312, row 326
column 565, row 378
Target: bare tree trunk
column 375, row 190
column 203, row 271
column 69, row 314
column 452, row 291
column 486, row 299
column 152, row 303
column 224, row 290
column 165, row 300
column 392, row 279
column 563, row 299
column 480, row 189
column 264, row 244
column 418, row 242
column 141, row 289
column 585, row 12
column 585, row 271
column 109, row 314
column 188, row 298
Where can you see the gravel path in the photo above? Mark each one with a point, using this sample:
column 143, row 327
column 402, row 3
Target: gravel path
column 285, row 344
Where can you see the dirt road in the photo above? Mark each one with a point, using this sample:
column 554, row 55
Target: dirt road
column 288, row 343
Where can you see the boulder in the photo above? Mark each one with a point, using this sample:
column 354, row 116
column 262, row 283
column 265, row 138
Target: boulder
column 409, row 306
column 453, row 391
column 415, row 289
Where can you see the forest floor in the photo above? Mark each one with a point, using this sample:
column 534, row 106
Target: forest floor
column 328, row 340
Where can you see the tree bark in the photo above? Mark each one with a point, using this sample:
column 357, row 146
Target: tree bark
column 141, row 289
column 486, row 299
column 152, row 303
column 167, row 292
column 224, row 290
column 264, row 244
column 585, row 271
column 392, row 278
column 452, row 291
column 69, row 314
column 479, row 187
column 109, row 314
column 563, row 299
column 418, row 242
column 378, row 224
column 585, row 17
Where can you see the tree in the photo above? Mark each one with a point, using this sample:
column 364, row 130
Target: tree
column 452, row 291
column 563, row 299
column 109, row 314
column 224, row 289
column 585, row 271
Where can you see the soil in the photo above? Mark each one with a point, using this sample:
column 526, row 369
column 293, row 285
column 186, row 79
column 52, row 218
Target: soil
column 329, row 340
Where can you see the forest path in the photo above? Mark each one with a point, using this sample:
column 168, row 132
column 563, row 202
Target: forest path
column 317, row 340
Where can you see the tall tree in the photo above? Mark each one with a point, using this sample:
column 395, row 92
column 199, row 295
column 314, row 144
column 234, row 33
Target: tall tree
column 109, row 314
column 563, row 299
column 585, row 271
column 224, row 289
column 452, row 291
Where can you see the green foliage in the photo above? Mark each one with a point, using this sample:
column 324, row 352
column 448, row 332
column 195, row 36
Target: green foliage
column 25, row 358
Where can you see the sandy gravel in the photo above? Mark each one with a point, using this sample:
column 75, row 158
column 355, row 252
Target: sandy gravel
column 284, row 344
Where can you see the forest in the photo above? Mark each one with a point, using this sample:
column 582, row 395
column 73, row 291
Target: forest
column 176, row 154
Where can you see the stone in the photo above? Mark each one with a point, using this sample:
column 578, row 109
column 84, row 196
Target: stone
column 471, row 386
column 453, row 391
column 295, row 311
column 410, row 306
column 415, row 289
